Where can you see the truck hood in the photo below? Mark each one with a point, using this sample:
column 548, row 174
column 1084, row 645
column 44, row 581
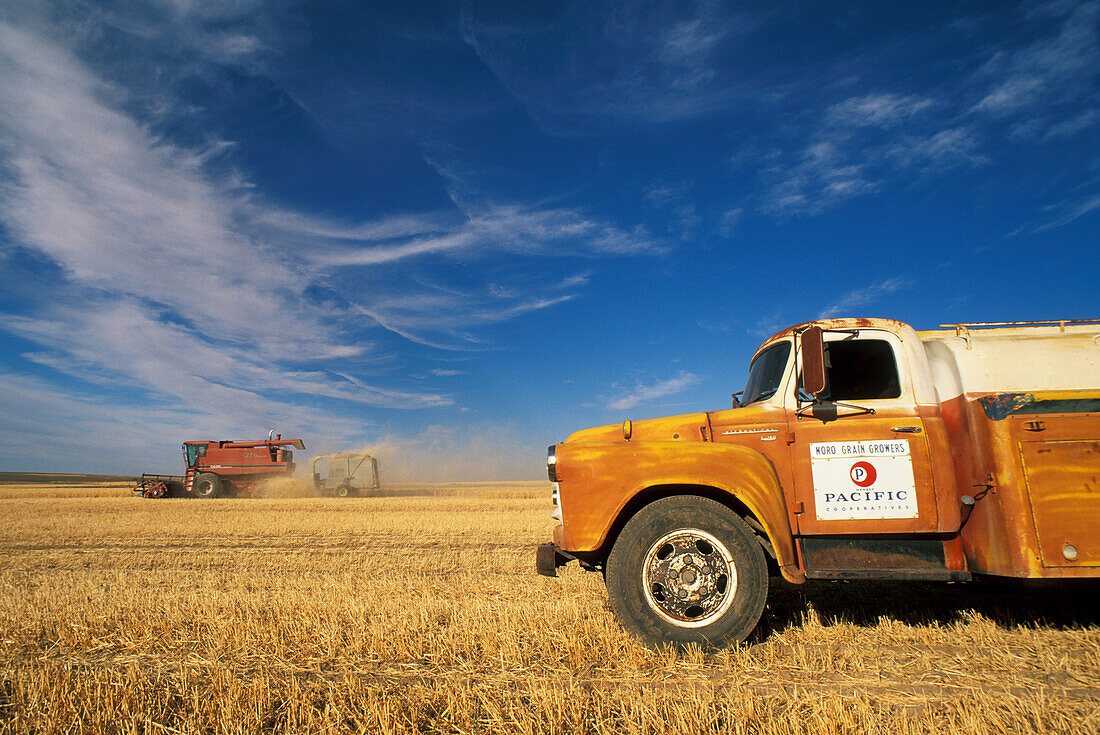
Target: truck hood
column 685, row 427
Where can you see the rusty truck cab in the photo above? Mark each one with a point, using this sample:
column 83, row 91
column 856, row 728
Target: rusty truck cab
column 857, row 458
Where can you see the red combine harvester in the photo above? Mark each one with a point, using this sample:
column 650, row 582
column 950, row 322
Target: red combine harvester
column 223, row 467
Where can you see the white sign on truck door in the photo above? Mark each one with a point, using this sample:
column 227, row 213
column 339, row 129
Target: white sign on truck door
column 863, row 479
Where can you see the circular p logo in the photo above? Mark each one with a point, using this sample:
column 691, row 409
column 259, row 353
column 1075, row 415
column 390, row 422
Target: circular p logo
column 863, row 474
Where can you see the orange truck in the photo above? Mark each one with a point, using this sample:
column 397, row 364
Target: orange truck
column 859, row 449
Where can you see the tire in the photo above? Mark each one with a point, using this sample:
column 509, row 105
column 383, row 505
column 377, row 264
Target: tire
column 207, row 485
column 687, row 570
column 345, row 491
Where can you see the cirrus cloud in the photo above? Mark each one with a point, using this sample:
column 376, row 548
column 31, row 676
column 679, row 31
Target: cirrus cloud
column 642, row 394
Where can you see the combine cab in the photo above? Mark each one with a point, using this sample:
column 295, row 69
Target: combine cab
column 345, row 474
column 216, row 468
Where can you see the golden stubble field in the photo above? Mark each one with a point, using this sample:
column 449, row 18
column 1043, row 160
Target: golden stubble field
column 419, row 611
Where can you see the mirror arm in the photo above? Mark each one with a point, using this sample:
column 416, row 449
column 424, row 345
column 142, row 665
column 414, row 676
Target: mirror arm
column 804, row 411
column 861, row 410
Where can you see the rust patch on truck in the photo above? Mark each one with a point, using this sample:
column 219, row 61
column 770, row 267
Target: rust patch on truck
column 1000, row 406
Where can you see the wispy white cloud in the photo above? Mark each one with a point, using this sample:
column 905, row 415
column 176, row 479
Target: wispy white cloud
column 1044, row 89
column 445, row 320
column 664, row 195
column 1011, row 94
column 642, row 394
column 574, row 281
column 558, row 230
column 675, row 202
column 1073, row 125
column 861, row 296
column 937, row 152
column 176, row 279
column 1049, row 71
column 714, row 326
column 1069, row 211
column 382, row 253
column 826, row 174
column 730, row 221
column 690, row 41
column 876, row 110
column 843, row 161
column 394, row 227
column 481, row 227
column 770, row 323
column 164, row 285
column 120, row 341
column 119, row 209
column 640, row 63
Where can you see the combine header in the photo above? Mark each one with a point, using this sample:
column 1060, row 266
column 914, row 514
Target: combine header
column 216, row 468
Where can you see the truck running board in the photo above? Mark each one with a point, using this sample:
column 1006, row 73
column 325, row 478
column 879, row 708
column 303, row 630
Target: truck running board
column 879, row 557
column 906, row 575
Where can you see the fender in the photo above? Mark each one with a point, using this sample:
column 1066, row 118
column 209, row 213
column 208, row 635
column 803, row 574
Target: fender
column 598, row 480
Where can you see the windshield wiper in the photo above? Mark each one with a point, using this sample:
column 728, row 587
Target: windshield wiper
column 763, row 396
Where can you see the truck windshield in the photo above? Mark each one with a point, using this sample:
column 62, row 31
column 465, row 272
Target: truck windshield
column 765, row 372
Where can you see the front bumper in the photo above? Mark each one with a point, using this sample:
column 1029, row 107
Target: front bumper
column 548, row 557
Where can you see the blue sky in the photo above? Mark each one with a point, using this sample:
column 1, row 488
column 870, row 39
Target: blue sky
column 459, row 231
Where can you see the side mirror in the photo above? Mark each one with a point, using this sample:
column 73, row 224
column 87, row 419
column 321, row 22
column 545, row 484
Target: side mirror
column 736, row 400
column 813, row 361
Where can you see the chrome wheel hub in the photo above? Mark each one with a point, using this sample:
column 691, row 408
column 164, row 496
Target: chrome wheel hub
column 689, row 578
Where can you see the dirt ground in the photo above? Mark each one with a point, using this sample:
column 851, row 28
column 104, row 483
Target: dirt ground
column 418, row 610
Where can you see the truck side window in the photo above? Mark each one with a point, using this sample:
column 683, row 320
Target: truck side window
column 860, row 369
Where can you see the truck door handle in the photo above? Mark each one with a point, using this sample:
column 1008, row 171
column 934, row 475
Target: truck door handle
column 907, row 429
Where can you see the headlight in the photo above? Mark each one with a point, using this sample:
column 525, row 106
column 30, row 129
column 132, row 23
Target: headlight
column 552, row 473
column 552, row 463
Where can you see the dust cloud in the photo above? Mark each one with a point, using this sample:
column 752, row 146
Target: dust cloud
column 285, row 487
column 445, row 455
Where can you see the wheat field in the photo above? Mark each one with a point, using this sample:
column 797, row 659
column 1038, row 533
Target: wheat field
column 418, row 610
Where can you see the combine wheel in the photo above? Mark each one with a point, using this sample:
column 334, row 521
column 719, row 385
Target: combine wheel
column 687, row 570
column 207, row 485
column 345, row 491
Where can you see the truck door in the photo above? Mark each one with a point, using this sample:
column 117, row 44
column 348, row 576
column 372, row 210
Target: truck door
column 867, row 470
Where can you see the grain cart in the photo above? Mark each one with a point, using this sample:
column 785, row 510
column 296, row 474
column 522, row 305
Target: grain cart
column 346, row 474
column 860, row 449
column 216, row 468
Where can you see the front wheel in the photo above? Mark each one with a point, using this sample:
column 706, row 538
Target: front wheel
column 207, row 485
column 687, row 570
